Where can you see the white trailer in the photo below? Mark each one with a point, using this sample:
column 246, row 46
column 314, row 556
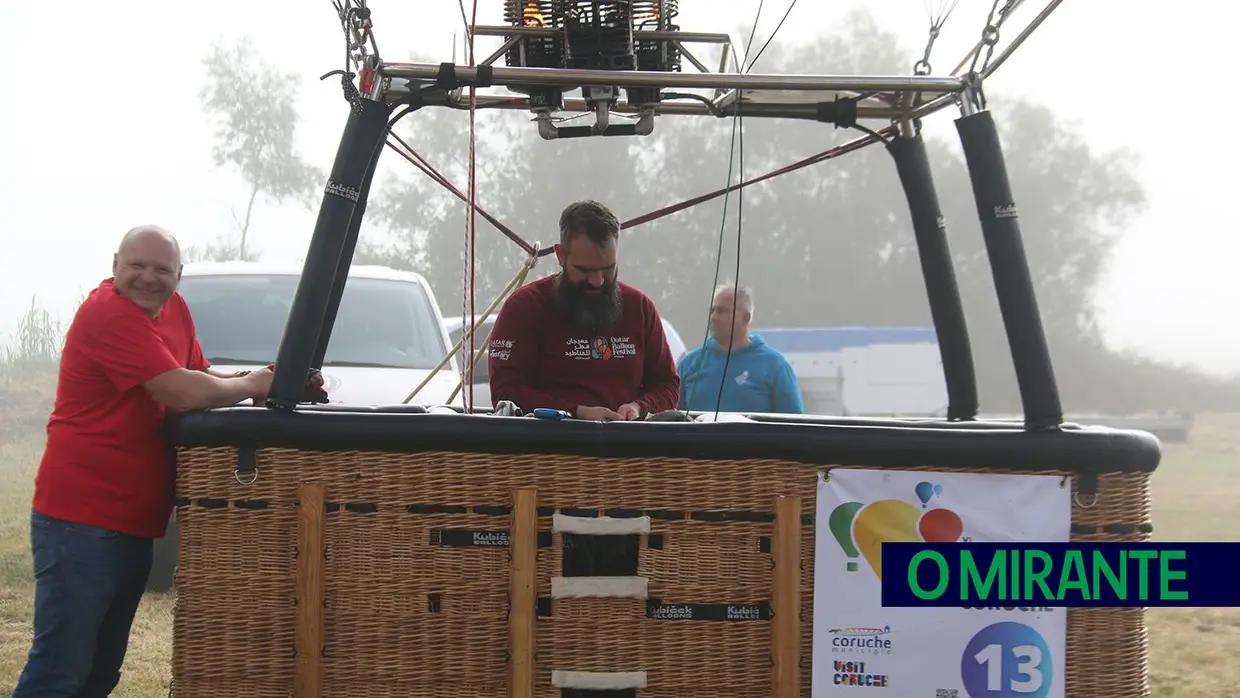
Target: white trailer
column 896, row 371
column 865, row 371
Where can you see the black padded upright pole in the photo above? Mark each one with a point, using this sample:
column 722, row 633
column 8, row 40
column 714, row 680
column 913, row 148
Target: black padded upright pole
column 345, row 261
column 364, row 132
column 1018, row 304
column 938, row 272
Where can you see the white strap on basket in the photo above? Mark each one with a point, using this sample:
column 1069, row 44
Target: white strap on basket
column 600, row 587
column 600, row 526
column 598, row 680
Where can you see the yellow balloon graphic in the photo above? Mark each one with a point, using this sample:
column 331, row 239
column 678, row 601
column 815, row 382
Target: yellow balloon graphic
column 884, row 521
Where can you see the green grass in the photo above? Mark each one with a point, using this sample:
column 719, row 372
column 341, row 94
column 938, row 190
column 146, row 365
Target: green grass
column 1194, row 652
column 148, row 666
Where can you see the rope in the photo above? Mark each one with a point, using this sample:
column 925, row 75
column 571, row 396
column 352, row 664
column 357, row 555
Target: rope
column 937, row 20
column 718, row 257
column 468, row 331
column 738, row 129
column 414, row 158
column 355, row 22
column 517, row 282
column 429, row 170
column 1003, row 14
column 417, row 160
column 772, row 36
column 736, row 275
column 477, row 355
column 799, row 164
column 468, row 276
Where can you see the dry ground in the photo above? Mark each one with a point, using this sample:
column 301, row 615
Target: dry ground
column 1195, row 652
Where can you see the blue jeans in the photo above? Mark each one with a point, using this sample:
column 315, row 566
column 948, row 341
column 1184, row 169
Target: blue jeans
column 88, row 582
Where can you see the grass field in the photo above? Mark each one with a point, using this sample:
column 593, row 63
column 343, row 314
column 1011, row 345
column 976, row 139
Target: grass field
column 1195, row 652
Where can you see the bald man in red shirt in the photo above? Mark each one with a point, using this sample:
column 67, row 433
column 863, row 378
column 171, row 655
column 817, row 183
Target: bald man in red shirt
column 103, row 491
column 581, row 341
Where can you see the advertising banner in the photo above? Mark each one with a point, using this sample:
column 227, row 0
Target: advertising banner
column 863, row 648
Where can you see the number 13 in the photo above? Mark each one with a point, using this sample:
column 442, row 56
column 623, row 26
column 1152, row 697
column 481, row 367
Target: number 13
column 1029, row 658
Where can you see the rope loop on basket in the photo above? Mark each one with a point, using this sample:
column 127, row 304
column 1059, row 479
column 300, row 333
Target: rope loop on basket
column 237, row 477
column 1087, row 484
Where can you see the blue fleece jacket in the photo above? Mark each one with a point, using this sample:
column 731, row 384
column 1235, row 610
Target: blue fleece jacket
column 759, row 379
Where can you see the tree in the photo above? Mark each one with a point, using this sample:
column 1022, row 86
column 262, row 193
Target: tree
column 523, row 180
column 828, row 245
column 252, row 106
column 221, row 249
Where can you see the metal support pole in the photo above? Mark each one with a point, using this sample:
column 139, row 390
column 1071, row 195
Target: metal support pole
column 364, row 134
column 1039, row 393
column 938, row 272
column 573, row 77
column 808, row 109
column 342, row 265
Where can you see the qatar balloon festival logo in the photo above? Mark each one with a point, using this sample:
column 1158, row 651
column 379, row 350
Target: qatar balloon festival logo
column 861, row 529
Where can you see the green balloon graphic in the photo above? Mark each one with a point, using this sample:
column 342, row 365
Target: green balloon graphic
column 841, row 527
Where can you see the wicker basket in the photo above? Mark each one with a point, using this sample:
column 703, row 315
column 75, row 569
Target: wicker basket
column 415, row 576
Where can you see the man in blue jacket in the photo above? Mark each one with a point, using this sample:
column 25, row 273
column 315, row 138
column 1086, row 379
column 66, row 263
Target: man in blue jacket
column 759, row 378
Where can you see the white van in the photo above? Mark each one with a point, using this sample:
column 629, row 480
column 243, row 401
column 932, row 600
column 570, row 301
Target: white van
column 387, row 336
column 482, row 379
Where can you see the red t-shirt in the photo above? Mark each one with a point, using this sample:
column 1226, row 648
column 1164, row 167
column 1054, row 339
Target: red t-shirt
column 537, row 359
column 107, row 462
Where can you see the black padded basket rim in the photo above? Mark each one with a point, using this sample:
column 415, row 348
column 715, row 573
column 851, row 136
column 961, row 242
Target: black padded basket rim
column 894, row 444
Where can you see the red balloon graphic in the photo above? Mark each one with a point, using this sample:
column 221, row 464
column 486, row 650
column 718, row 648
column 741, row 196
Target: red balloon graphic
column 940, row 526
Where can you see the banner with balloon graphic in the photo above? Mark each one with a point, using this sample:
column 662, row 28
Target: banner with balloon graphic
column 860, row 646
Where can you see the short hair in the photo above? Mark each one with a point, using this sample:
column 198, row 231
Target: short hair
column 589, row 218
column 743, row 297
column 150, row 229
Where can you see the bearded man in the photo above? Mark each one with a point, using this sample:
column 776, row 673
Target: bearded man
column 581, row 341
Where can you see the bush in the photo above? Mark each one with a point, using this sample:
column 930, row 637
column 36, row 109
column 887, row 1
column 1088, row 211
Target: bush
column 37, row 343
column 28, row 367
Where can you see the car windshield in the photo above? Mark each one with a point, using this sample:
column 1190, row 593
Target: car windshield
column 383, row 323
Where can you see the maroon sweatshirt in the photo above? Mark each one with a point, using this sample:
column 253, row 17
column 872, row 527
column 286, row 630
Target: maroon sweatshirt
column 537, row 359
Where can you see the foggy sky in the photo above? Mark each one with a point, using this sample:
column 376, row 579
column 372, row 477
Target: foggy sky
column 101, row 130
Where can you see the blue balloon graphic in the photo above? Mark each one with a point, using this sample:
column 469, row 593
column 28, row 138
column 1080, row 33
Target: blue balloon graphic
column 1007, row 660
column 938, row 489
column 925, row 491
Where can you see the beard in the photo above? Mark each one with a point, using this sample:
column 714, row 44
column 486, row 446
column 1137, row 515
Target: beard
column 589, row 310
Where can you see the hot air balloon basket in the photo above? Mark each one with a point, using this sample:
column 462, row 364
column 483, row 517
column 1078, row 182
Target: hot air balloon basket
column 410, row 591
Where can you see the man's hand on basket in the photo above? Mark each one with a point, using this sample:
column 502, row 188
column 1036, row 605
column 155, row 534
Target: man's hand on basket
column 630, row 411
column 313, row 391
column 258, row 382
column 597, row 414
